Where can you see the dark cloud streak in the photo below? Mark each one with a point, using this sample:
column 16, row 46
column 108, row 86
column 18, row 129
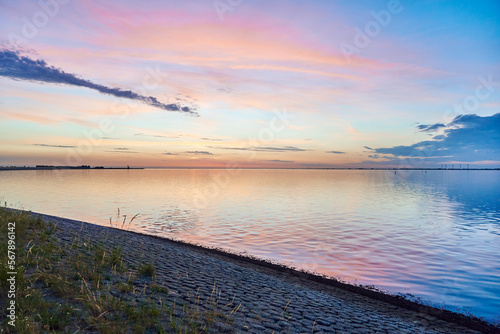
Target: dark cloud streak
column 199, row 152
column 121, row 151
column 277, row 160
column 262, row 149
column 17, row 67
column 429, row 128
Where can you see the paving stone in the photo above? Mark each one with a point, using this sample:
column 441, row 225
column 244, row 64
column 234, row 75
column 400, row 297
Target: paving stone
column 253, row 296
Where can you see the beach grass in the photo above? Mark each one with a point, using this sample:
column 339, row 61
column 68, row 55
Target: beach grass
column 87, row 285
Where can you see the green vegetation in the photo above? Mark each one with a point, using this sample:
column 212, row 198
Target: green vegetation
column 146, row 269
column 86, row 286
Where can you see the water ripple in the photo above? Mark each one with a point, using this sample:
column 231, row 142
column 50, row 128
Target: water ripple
column 435, row 235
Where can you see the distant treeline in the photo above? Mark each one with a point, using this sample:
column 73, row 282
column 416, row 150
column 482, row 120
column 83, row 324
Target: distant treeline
column 70, row 167
column 49, row 167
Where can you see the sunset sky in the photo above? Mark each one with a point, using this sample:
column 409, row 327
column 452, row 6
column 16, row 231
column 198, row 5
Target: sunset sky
column 207, row 83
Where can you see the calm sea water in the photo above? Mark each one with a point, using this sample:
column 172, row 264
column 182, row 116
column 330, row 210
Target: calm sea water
column 433, row 234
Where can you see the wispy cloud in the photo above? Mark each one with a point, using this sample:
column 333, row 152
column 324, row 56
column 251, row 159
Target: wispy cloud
column 336, row 152
column 430, row 127
column 177, row 136
column 386, row 157
column 122, row 151
column 58, row 146
column 17, row 67
column 199, row 152
column 225, row 90
column 156, row 136
column 277, row 160
column 211, row 139
column 263, row 149
column 168, row 153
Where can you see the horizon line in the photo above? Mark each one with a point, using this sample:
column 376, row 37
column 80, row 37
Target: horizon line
column 48, row 167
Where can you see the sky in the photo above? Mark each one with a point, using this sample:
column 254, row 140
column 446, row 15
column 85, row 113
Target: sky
column 250, row 83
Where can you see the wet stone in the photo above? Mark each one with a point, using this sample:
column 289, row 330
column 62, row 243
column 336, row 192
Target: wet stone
column 196, row 276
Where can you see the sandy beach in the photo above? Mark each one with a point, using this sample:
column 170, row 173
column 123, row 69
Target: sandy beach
column 265, row 297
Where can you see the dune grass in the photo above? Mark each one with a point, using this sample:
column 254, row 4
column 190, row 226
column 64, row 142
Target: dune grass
column 87, row 286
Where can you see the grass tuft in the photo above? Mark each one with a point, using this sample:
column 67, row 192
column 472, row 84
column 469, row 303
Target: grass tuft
column 146, row 269
column 86, row 286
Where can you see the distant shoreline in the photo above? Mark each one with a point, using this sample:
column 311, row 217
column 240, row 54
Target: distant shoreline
column 63, row 167
column 10, row 168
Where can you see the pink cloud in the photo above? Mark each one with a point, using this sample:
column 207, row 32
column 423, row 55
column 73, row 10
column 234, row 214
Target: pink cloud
column 197, row 39
column 27, row 117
